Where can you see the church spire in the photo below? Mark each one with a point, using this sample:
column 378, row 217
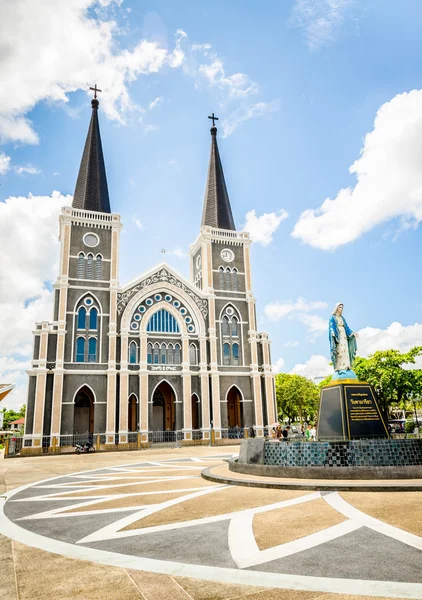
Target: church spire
column 217, row 211
column 91, row 191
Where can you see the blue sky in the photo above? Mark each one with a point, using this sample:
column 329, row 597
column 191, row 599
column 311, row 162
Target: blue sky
column 298, row 85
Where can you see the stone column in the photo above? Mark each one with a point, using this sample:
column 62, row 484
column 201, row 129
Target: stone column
column 187, row 390
column 143, row 389
column 205, row 397
column 269, row 381
column 59, row 368
column 41, row 374
column 215, row 378
column 124, row 390
column 255, row 375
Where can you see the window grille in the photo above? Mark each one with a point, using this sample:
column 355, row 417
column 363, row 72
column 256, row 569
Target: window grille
column 193, row 355
column 221, row 277
column 92, row 350
column 228, row 278
column 235, row 332
column 235, row 283
column 80, row 349
column 235, row 354
column 82, row 318
column 163, row 322
column 93, row 318
column 99, row 267
column 226, row 354
column 90, row 267
column 133, row 351
column 81, row 265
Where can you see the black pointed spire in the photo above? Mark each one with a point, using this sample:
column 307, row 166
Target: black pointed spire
column 91, row 191
column 217, row 211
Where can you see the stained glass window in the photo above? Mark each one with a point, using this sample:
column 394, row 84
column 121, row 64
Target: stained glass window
column 80, row 350
column 163, row 322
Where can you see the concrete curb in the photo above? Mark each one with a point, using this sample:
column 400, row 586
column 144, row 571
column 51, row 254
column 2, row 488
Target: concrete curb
column 337, row 485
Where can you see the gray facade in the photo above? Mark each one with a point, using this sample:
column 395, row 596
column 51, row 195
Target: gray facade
column 161, row 353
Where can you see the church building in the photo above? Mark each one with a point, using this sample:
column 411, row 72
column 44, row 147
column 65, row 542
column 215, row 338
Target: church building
column 159, row 354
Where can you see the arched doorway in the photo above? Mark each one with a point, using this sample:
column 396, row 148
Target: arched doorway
column 195, row 411
column 83, row 419
column 132, row 413
column 234, row 408
column 163, row 414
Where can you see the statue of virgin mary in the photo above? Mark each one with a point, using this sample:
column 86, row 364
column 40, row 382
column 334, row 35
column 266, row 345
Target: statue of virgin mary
column 343, row 345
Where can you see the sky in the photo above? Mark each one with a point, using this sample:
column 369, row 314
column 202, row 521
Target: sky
column 320, row 135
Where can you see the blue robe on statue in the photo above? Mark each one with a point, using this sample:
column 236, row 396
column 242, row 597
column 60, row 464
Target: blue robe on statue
column 334, row 337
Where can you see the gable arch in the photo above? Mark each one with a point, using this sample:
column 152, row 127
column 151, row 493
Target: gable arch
column 81, row 387
column 236, row 310
column 164, row 380
column 163, row 287
column 87, row 307
column 234, row 386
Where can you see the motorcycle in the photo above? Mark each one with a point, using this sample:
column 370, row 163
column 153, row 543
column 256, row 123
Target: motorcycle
column 84, row 448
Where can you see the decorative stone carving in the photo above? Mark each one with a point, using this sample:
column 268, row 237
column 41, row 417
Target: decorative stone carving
column 161, row 276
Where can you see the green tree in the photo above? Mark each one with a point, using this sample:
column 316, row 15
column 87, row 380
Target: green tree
column 11, row 415
column 393, row 383
column 297, row 397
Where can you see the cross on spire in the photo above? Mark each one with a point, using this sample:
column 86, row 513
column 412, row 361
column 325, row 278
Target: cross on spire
column 95, row 90
column 213, row 119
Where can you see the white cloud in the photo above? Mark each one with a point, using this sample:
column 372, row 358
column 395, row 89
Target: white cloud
column 276, row 310
column 237, row 85
column 261, row 229
column 278, row 365
column 389, row 180
column 244, row 113
column 151, row 128
column 291, row 344
column 396, row 336
column 177, row 252
column 316, row 366
column 314, row 323
column 159, row 100
column 4, row 163
column 320, row 20
column 29, row 170
column 137, row 223
column 30, row 253
column 88, row 52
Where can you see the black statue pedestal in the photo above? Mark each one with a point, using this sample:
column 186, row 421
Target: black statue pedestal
column 349, row 410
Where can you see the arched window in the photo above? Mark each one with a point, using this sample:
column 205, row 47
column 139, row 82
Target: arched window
column 170, row 354
column 92, row 350
column 177, row 354
column 163, row 354
column 82, row 318
column 226, row 354
column 228, row 278
column 81, row 265
column 221, row 277
column 193, row 355
column 80, row 349
column 163, row 322
column 235, row 354
column 235, row 285
column 93, row 314
column 133, row 353
column 155, row 354
column 225, row 326
column 235, row 331
column 99, row 267
column 149, row 354
column 90, row 266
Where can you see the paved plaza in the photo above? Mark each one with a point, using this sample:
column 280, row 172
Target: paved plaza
column 147, row 525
